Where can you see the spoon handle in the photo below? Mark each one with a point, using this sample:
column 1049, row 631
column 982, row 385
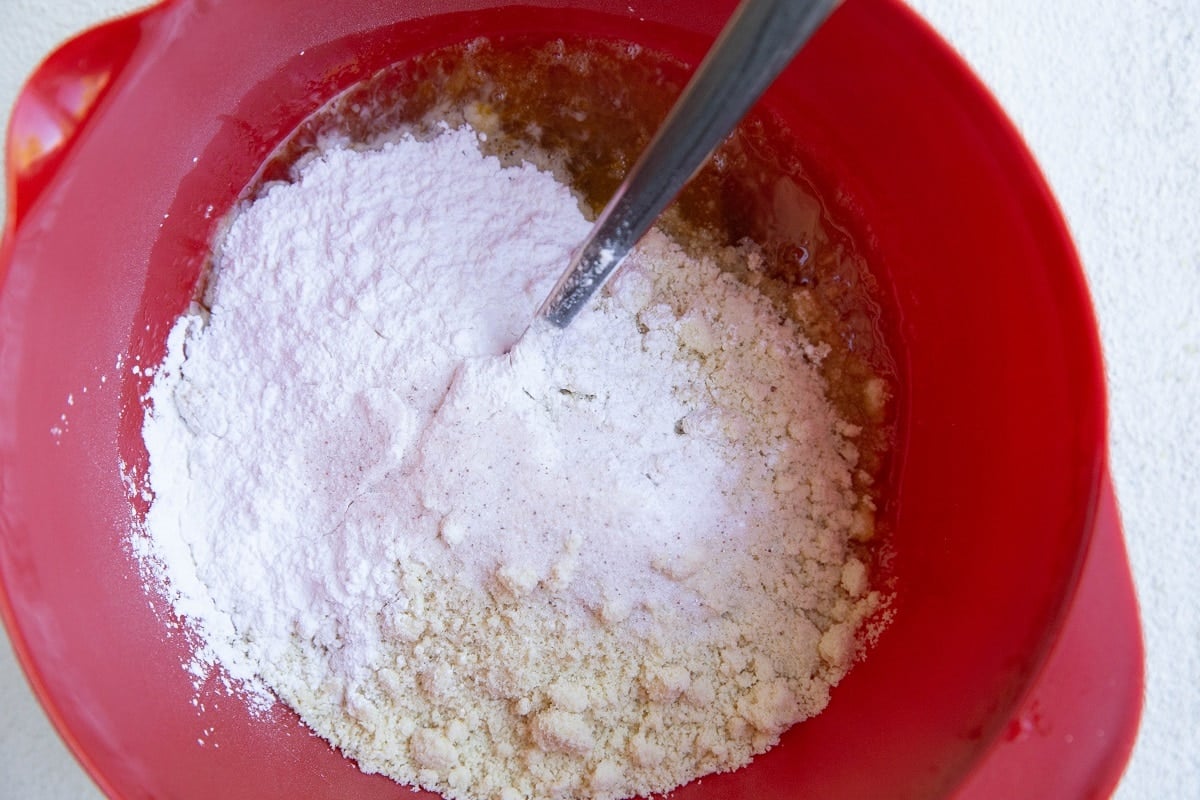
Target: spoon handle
column 759, row 40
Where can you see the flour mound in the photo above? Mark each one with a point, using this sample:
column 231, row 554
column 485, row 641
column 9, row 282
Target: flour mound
column 602, row 564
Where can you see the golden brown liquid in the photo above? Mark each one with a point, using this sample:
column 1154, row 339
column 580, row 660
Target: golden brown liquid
column 585, row 109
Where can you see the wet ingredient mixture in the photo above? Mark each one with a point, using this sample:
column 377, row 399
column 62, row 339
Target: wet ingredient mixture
column 600, row 565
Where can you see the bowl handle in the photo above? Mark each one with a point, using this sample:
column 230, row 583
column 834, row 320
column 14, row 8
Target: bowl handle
column 56, row 102
column 1075, row 730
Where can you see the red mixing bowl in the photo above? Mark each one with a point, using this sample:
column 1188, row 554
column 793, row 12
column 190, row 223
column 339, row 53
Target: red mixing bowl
column 1013, row 667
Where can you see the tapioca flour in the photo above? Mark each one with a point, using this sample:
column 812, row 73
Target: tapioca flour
column 599, row 564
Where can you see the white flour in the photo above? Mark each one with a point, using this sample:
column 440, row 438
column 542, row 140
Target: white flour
column 603, row 565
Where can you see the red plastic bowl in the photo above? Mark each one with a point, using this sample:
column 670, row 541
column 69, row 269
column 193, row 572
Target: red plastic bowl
column 1013, row 667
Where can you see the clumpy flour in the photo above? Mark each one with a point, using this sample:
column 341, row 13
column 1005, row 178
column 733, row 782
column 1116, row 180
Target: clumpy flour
column 605, row 563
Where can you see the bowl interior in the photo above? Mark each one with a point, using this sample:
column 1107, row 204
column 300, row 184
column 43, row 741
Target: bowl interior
column 1002, row 411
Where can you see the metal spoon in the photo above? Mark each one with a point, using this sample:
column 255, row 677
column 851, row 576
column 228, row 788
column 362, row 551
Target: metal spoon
column 759, row 40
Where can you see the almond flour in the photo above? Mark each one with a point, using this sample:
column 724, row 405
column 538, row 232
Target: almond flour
column 600, row 565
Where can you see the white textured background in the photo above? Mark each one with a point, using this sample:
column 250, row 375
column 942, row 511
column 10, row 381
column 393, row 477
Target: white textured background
column 1107, row 94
